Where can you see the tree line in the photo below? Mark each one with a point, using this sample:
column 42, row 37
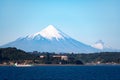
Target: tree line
column 12, row 54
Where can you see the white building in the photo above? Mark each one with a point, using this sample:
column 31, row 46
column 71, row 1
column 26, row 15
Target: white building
column 61, row 57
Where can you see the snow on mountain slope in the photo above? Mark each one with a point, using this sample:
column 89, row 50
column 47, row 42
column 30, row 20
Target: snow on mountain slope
column 51, row 39
column 99, row 44
column 104, row 47
column 49, row 32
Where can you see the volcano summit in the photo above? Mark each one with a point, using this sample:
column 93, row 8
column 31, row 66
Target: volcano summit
column 50, row 39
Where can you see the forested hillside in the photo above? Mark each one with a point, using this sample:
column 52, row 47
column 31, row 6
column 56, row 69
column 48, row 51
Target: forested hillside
column 12, row 55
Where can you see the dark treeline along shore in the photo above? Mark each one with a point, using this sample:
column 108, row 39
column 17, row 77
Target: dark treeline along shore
column 9, row 56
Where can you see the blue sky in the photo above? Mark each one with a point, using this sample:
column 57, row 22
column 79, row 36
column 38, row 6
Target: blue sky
column 84, row 20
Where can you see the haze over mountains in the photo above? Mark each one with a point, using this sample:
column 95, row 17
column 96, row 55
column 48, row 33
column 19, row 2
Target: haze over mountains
column 104, row 47
column 51, row 39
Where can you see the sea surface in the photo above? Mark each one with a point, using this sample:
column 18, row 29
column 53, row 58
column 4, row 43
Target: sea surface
column 60, row 73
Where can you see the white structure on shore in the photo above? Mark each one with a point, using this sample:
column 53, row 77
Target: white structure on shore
column 61, row 57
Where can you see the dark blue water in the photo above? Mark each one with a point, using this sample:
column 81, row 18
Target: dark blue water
column 60, row 73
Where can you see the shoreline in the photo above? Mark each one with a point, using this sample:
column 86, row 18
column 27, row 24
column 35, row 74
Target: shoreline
column 32, row 65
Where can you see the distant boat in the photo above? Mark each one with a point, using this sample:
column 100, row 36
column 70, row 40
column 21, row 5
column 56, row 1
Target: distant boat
column 22, row 65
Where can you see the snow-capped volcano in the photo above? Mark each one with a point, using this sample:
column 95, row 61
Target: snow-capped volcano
column 99, row 45
column 49, row 32
column 103, row 47
column 51, row 39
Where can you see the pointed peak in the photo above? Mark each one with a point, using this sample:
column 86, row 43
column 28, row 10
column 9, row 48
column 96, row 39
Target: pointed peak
column 50, row 26
column 50, row 29
column 51, row 32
